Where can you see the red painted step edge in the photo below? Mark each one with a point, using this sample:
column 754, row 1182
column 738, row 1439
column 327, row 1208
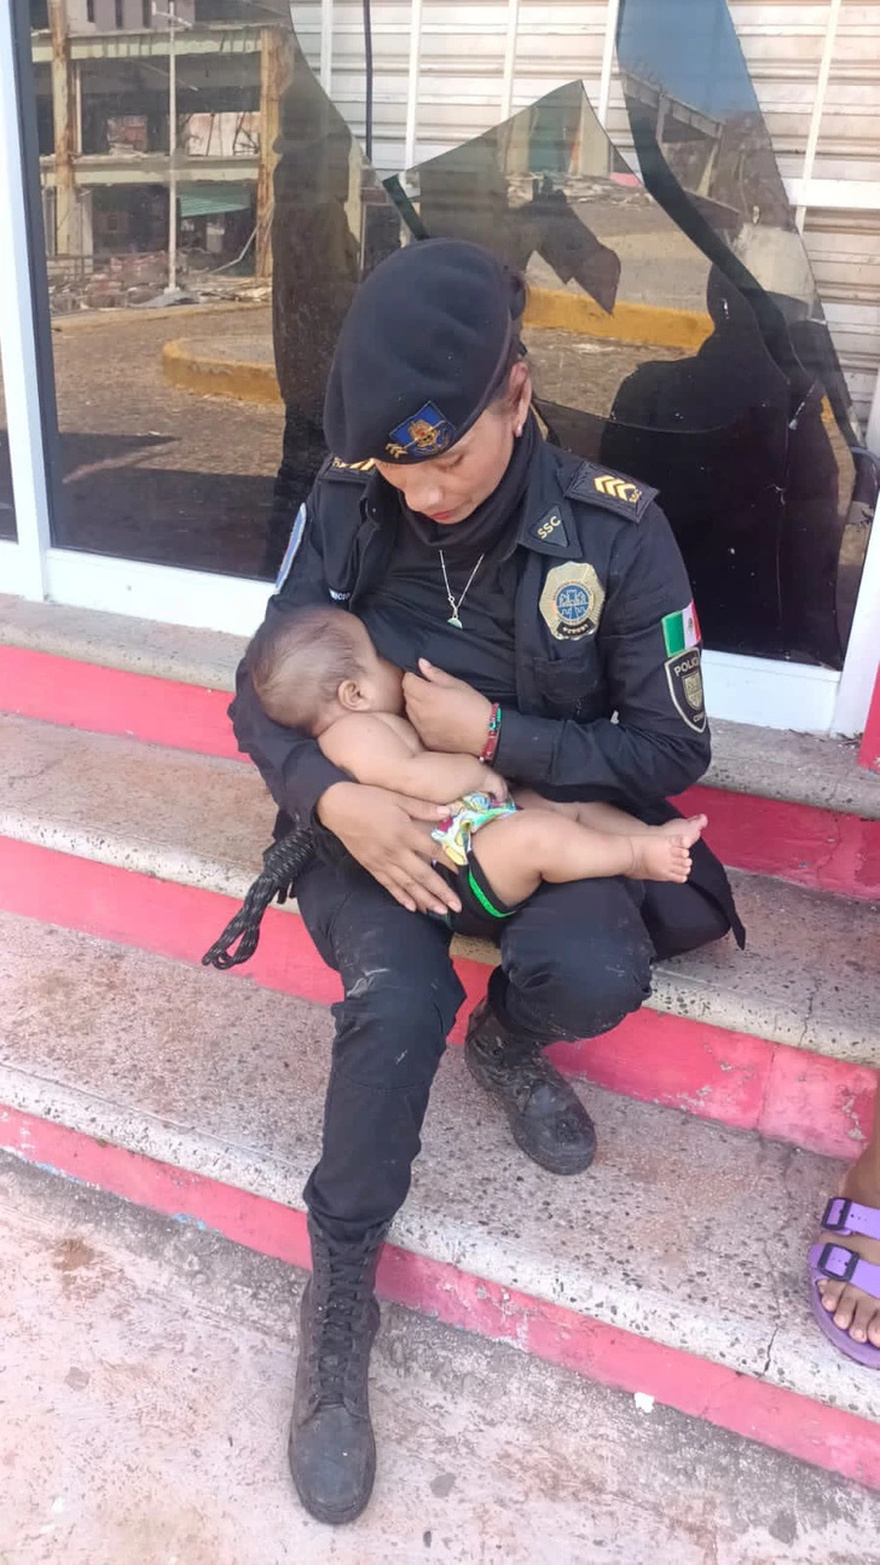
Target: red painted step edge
column 810, row 847
column 840, row 1442
column 114, row 701
column 821, row 1104
column 794, row 842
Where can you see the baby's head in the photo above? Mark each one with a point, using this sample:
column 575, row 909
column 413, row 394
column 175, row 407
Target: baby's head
column 317, row 664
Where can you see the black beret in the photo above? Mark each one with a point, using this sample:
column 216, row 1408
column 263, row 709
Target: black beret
column 422, row 351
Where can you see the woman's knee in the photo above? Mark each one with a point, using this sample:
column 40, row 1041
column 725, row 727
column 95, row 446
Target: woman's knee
column 605, row 983
column 578, row 978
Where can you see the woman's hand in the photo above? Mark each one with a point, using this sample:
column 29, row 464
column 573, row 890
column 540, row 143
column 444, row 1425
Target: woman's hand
column 389, row 835
column 446, row 713
column 495, row 784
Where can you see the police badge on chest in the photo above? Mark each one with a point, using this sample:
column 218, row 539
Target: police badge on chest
column 571, row 601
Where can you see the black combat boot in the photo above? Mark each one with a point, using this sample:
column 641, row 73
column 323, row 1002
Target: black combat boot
column 545, row 1114
column 332, row 1449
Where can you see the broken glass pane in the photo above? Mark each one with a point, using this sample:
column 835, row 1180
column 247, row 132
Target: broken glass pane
column 649, row 357
column 705, row 154
column 332, row 223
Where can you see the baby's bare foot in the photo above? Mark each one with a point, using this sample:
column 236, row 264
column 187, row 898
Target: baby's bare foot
column 688, row 831
column 660, row 857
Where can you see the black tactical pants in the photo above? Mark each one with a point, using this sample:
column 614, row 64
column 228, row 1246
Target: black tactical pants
column 575, row 960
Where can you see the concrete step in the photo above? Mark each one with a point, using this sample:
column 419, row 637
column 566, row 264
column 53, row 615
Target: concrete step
column 148, row 1388
column 674, row 1267
column 780, row 1038
column 793, row 805
column 480, row 1449
column 204, row 658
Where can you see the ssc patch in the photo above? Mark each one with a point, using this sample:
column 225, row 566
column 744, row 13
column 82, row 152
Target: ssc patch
column 293, row 543
column 426, row 433
column 685, row 680
column 551, row 530
column 571, row 601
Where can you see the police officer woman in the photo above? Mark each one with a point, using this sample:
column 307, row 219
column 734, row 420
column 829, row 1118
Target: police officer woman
column 531, row 597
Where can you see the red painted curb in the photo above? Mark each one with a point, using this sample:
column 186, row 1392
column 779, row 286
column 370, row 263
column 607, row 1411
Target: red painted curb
column 113, row 701
column 821, row 1104
column 810, row 847
column 794, row 842
column 840, row 1442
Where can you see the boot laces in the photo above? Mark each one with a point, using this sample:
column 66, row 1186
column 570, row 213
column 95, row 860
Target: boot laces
column 337, row 1317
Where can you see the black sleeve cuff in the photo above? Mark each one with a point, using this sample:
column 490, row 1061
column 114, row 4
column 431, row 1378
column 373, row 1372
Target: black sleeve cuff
column 314, row 775
column 525, row 747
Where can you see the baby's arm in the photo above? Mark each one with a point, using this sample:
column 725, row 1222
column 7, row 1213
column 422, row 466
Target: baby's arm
column 375, row 753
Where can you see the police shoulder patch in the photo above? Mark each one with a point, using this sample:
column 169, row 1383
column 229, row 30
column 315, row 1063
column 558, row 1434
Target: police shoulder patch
column 293, row 543
column 613, row 491
column 685, row 680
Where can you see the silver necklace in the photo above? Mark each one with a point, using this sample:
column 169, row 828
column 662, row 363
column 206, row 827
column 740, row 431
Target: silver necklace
column 455, row 607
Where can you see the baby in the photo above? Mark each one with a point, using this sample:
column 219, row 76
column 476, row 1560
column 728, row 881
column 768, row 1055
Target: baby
column 318, row 670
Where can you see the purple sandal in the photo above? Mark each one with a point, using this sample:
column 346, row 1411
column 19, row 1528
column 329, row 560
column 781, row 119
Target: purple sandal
column 834, row 1261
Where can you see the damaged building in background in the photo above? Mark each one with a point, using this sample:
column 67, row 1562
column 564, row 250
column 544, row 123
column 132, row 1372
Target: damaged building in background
column 156, row 121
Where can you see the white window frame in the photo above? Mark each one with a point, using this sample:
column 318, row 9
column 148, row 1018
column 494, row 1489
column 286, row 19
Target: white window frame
column 771, row 693
column 22, row 564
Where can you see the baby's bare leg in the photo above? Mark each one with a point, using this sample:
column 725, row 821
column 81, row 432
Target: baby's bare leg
column 604, row 817
column 607, row 818
column 520, row 851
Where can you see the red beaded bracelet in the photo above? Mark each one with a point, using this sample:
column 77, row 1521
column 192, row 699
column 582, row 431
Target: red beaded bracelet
column 487, row 753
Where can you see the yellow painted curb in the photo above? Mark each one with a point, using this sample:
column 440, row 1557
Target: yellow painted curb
column 194, row 371
column 640, row 323
column 548, row 308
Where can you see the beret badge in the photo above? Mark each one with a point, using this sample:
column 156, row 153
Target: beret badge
column 425, row 433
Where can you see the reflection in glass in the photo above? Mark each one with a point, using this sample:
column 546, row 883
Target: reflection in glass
column 647, row 357
column 705, row 154
column 163, row 187
column 332, row 223
column 7, row 508
column 674, row 331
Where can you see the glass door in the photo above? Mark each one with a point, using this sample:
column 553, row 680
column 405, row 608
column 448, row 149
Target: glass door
column 189, row 214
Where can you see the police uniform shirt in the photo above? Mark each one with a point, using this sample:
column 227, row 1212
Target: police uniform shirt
column 407, row 614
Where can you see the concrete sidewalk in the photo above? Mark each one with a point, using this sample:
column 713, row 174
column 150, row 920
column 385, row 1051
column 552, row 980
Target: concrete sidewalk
column 146, row 1375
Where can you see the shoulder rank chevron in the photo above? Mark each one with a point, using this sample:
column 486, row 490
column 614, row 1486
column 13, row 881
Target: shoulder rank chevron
column 613, row 490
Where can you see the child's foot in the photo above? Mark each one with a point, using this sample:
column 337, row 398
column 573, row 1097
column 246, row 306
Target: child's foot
column 663, row 852
column 660, row 857
column 688, row 831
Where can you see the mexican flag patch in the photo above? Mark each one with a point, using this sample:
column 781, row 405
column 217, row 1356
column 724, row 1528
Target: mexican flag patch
column 681, row 631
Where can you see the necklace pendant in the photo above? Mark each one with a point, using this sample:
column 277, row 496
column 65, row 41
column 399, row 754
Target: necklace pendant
column 454, row 620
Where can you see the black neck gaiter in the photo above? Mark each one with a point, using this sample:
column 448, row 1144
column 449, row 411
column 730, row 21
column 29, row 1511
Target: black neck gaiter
column 496, row 517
